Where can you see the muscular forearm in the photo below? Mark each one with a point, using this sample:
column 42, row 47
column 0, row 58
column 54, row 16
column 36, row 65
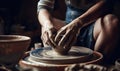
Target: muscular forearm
column 45, row 18
column 48, row 21
column 93, row 13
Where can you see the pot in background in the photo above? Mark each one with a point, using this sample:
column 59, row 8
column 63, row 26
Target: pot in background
column 12, row 48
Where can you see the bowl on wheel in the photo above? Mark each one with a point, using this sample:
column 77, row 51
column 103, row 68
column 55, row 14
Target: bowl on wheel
column 12, row 48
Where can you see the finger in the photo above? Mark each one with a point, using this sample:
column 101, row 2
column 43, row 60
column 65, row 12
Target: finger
column 71, row 40
column 65, row 38
column 52, row 33
column 59, row 35
column 58, row 39
column 51, row 38
column 50, row 43
column 44, row 38
column 67, row 35
column 68, row 44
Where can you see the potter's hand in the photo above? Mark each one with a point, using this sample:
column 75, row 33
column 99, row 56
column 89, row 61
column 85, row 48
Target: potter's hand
column 49, row 32
column 67, row 35
column 47, row 35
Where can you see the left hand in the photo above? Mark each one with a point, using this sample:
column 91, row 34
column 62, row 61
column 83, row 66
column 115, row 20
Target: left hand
column 67, row 35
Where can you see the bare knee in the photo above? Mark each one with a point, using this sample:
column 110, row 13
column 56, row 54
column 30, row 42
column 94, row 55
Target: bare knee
column 105, row 42
column 109, row 25
column 111, row 21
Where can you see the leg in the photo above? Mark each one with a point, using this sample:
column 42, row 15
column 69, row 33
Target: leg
column 106, row 35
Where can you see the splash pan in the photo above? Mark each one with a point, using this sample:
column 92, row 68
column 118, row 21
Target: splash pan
column 47, row 55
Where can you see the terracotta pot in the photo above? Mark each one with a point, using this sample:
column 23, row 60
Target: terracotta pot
column 12, row 48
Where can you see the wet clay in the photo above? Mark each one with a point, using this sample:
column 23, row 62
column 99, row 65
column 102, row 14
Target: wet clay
column 48, row 55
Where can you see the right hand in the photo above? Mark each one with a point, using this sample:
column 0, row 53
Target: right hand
column 67, row 36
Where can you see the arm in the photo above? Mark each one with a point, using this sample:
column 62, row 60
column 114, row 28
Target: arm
column 48, row 23
column 93, row 13
column 44, row 16
column 70, row 32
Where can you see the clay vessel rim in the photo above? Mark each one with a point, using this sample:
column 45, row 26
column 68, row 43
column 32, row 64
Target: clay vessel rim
column 13, row 38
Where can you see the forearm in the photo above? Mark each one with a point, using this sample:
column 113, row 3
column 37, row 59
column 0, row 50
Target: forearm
column 45, row 18
column 44, row 8
column 93, row 13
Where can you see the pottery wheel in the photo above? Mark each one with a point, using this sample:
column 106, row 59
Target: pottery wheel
column 47, row 55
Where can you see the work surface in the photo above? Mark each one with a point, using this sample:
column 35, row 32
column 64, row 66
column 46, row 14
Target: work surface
column 24, row 64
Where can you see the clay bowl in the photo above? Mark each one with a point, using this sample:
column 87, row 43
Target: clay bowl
column 12, row 48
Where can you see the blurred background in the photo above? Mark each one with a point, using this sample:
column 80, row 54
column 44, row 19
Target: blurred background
column 20, row 17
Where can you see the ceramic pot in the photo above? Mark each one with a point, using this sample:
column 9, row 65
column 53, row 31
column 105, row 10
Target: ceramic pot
column 12, row 48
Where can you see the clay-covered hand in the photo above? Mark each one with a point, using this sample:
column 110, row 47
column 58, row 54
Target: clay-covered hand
column 49, row 32
column 67, row 35
column 47, row 35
